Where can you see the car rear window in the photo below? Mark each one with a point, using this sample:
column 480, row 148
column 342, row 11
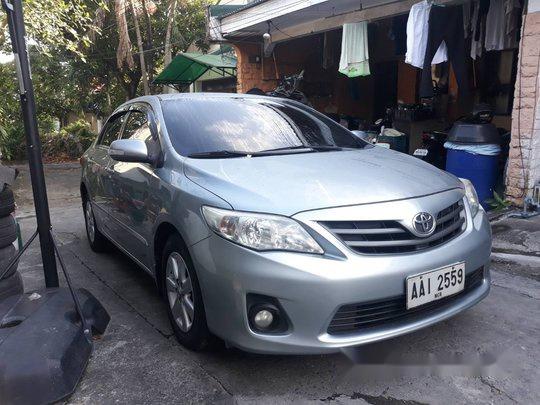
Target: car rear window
column 199, row 125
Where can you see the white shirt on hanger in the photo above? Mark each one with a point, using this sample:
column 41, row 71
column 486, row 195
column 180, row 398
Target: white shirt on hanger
column 417, row 36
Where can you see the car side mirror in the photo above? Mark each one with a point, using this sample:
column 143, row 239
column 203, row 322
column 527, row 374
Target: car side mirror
column 129, row 150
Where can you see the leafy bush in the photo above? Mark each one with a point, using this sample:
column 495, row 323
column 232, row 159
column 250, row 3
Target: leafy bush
column 68, row 143
column 12, row 142
column 497, row 203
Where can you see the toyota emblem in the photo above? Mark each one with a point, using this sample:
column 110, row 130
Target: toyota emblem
column 424, row 223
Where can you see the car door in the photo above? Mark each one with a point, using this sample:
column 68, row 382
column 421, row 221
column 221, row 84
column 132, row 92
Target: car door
column 99, row 164
column 135, row 191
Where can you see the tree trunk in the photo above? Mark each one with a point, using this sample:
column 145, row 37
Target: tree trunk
column 168, row 50
column 149, row 42
column 141, row 50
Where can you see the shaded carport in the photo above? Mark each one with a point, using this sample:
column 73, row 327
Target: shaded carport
column 187, row 67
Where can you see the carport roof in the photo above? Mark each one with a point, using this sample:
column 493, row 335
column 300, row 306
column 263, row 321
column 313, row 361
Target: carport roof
column 187, row 67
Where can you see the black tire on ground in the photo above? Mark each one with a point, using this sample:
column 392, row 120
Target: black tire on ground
column 98, row 242
column 6, row 254
column 198, row 337
column 11, row 286
column 8, row 231
column 7, row 201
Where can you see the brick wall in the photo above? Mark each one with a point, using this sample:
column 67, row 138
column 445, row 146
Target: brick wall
column 325, row 88
column 524, row 157
column 288, row 58
column 249, row 72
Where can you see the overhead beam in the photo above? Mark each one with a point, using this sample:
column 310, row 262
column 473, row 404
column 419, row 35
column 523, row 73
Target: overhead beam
column 335, row 22
column 263, row 12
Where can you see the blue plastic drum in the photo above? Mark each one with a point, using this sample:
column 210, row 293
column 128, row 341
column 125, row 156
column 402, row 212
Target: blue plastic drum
column 481, row 170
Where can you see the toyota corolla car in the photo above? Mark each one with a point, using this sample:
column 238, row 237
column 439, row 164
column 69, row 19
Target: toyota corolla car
column 270, row 226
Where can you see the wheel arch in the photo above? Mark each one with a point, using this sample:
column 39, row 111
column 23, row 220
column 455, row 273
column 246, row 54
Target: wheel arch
column 162, row 233
column 83, row 190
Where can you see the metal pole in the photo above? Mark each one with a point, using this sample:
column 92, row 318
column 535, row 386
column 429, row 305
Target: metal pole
column 14, row 12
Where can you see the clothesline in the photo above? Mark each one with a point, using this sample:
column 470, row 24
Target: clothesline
column 438, row 33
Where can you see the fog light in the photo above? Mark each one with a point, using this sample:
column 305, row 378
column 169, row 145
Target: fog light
column 263, row 319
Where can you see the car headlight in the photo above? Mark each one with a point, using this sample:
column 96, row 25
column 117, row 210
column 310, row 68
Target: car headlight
column 260, row 231
column 471, row 195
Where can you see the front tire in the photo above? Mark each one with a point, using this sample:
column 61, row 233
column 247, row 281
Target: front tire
column 98, row 242
column 183, row 297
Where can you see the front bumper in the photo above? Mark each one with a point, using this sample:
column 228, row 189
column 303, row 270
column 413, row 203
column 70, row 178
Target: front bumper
column 311, row 288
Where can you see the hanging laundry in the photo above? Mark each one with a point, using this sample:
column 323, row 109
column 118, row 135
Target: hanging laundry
column 495, row 26
column 354, row 60
column 512, row 11
column 478, row 30
column 466, row 19
column 501, row 25
column 445, row 24
column 417, row 33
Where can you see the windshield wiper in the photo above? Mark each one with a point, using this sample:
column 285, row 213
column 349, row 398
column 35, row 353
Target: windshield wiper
column 322, row 148
column 225, row 154
column 218, row 154
column 285, row 148
column 297, row 149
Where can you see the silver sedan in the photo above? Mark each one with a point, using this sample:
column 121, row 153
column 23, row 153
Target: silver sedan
column 271, row 227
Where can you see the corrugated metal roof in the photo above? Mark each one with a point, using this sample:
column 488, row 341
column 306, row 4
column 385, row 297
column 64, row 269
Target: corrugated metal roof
column 219, row 10
column 241, row 8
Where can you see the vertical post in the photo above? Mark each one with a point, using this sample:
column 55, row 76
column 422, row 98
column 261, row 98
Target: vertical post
column 17, row 33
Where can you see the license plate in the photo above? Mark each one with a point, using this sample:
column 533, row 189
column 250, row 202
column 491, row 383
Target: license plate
column 420, row 152
column 434, row 285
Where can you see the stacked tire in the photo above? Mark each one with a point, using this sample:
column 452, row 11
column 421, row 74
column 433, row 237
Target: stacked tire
column 11, row 282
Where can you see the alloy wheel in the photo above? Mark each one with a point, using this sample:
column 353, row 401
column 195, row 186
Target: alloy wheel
column 180, row 292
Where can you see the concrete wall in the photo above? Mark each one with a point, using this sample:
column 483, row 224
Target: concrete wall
column 524, row 159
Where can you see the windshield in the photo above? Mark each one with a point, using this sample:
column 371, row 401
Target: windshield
column 249, row 125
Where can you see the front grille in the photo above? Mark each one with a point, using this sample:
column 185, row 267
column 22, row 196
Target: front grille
column 383, row 237
column 353, row 317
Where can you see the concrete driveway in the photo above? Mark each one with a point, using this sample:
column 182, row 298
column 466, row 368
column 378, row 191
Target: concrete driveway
column 139, row 361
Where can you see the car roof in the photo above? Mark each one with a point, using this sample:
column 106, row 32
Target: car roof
column 159, row 98
column 177, row 96
column 183, row 96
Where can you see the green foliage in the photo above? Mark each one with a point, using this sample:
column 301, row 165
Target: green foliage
column 497, row 203
column 73, row 45
column 57, row 24
column 68, row 143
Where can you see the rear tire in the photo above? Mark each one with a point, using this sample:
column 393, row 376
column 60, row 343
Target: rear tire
column 98, row 242
column 182, row 296
column 6, row 255
column 8, row 231
column 7, row 201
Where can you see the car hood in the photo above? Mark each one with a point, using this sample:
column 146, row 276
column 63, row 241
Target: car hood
column 288, row 184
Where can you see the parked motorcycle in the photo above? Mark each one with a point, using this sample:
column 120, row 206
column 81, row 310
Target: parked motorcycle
column 288, row 87
column 433, row 150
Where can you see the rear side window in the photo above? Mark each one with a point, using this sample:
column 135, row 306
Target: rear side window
column 112, row 130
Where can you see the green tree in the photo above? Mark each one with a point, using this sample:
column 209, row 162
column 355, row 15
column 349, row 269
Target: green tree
column 56, row 24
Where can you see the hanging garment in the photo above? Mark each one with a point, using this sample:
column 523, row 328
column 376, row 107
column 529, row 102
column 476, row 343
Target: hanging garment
column 466, row 19
column 354, row 60
column 417, row 33
column 501, row 25
column 478, row 28
column 512, row 11
column 483, row 8
column 445, row 24
column 495, row 26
